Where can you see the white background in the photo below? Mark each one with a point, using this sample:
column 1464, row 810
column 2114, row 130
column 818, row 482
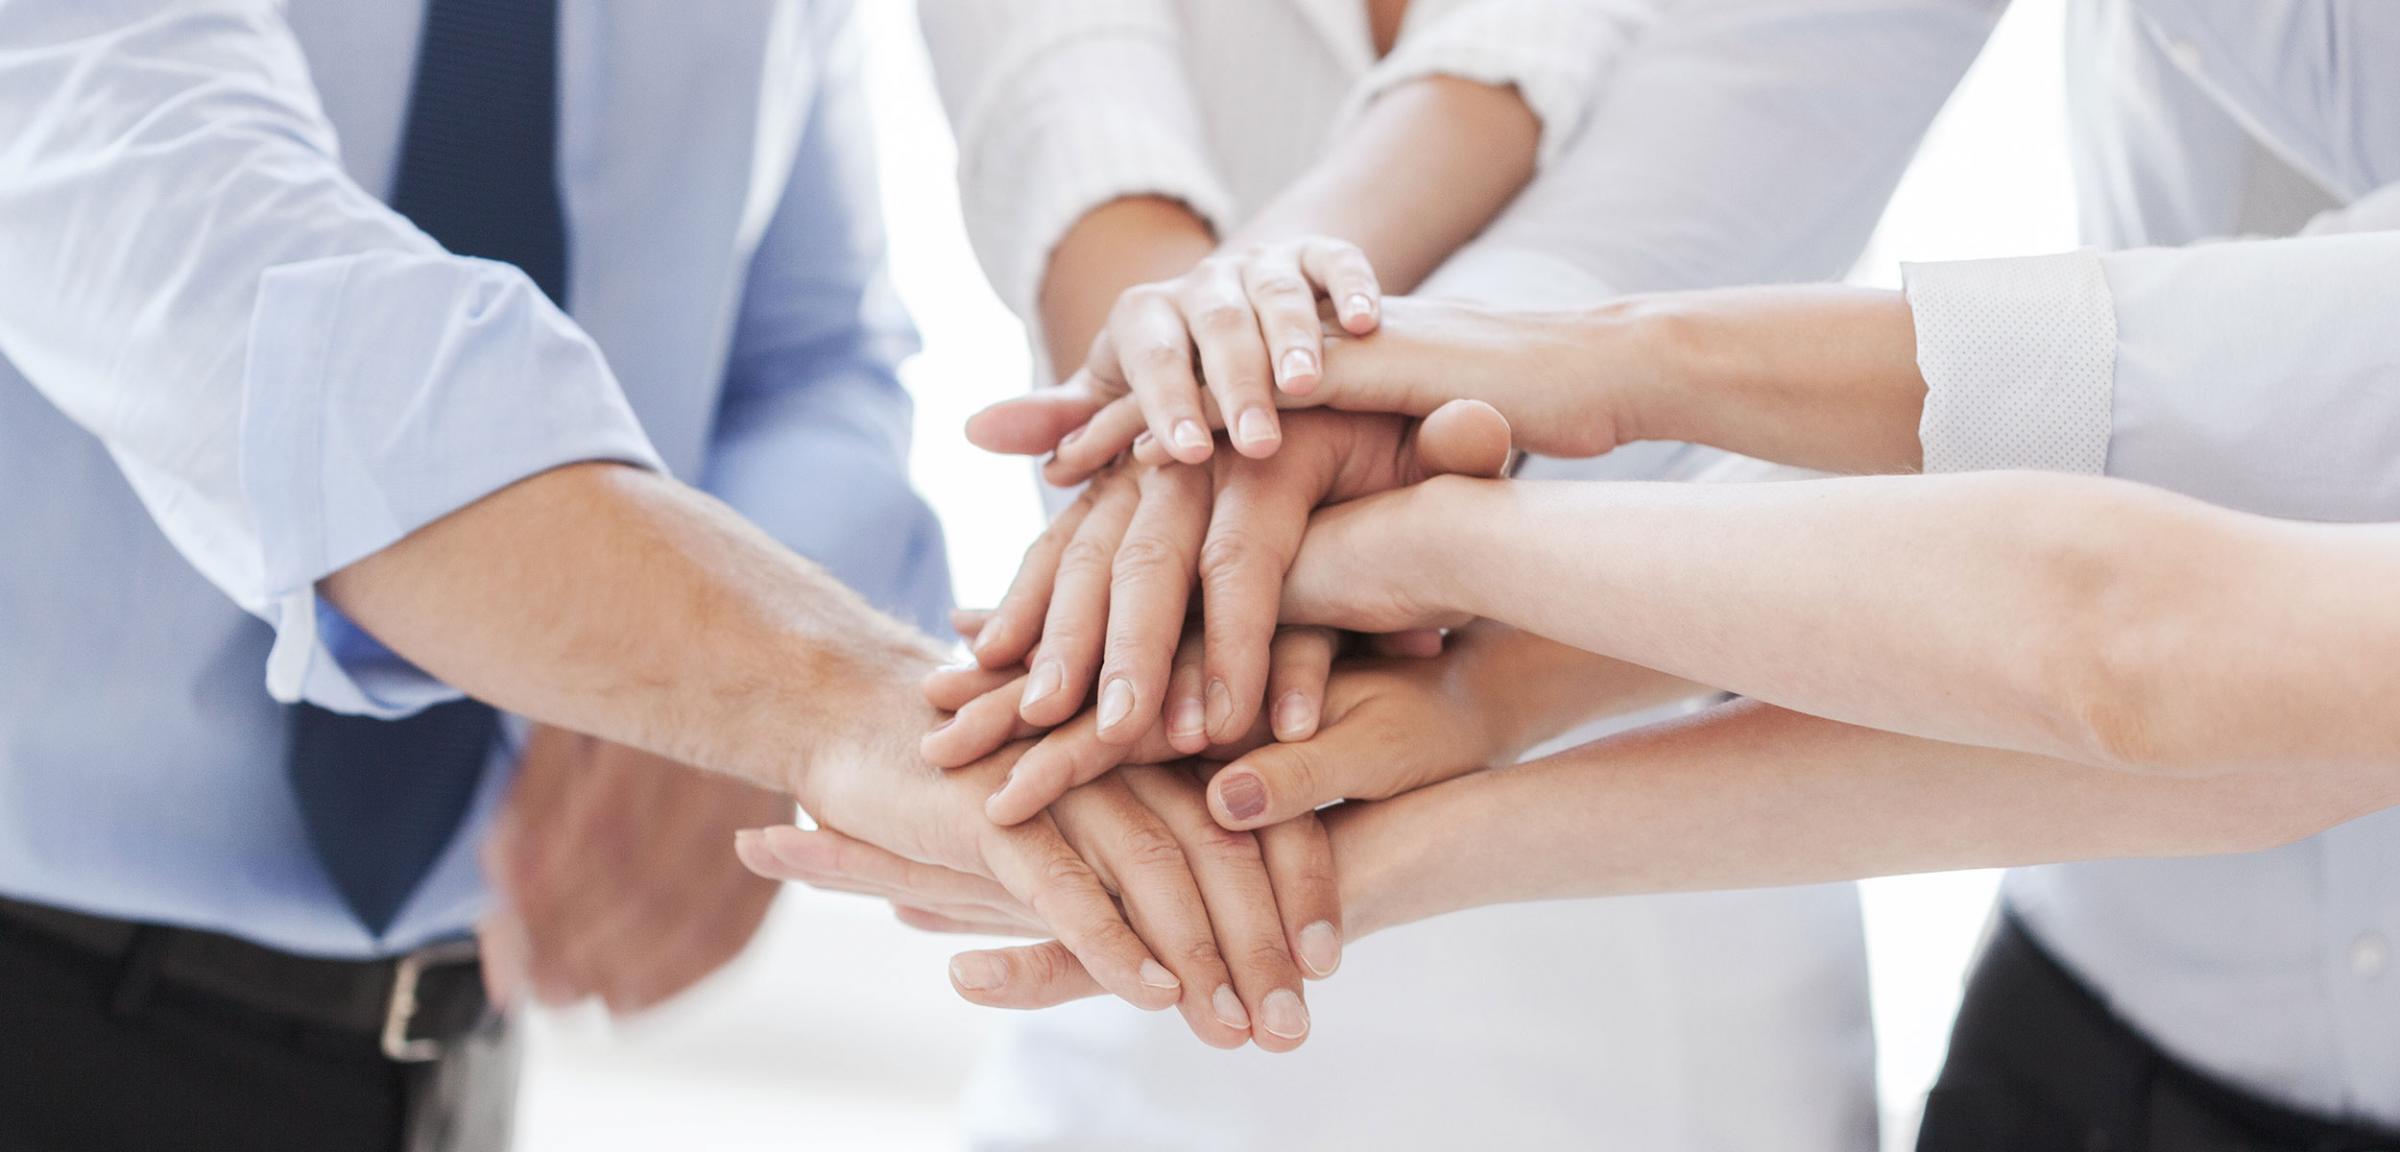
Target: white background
column 838, row 1029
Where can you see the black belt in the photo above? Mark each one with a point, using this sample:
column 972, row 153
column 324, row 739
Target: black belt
column 412, row 1006
column 2039, row 1063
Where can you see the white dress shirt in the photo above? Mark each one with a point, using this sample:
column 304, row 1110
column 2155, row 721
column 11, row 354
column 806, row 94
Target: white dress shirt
column 1613, row 1023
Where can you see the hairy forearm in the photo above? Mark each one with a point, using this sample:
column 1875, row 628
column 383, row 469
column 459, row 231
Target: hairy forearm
column 1748, row 795
column 1424, row 169
column 2088, row 619
column 620, row 603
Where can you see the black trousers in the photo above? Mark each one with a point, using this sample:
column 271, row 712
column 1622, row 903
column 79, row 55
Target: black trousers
column 2037, row 1063
column 84, row 1067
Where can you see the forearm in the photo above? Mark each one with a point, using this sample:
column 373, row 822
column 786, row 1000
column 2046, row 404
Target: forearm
column 620, row 603
column 1423, row 170
column 1748, row 795
column 1112, row 248
column 1531, row 689
column 2088, row 619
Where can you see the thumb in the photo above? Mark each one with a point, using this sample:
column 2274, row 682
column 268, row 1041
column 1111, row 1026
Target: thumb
column 1023, row 976
column 1281, row 781
column 1462, row 437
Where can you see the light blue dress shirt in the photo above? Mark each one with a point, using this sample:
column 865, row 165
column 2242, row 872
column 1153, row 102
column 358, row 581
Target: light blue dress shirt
column 229, row 370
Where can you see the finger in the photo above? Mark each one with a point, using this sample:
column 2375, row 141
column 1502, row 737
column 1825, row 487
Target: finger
column 957, row 922
column 824, row 858
column 1150, row 587
column 1187, row 698
column 1241, row 909
column 1016, row 622
column 1260, row 517
column 1074, row 628
column 1025, row 976
column 978, row 729
column 1094, row 446
column 1033, row 424
column 1300, row 663
column 1068, row 757
column 1299, row 857
column 1234, row 365
column 1153, row 350
column 952, row 686
column 1035, row 864
column 1286, row 304
column 968, row 621
column 1463, row 437
column 1147, row 451
column 1348, row 280
column 1144, row 863
column 1281, row 781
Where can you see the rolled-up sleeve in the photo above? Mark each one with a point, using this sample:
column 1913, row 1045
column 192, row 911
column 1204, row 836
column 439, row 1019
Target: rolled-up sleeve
column 290, row 376
column 1555, row 53
column 1061, row 106
column 2262, row 375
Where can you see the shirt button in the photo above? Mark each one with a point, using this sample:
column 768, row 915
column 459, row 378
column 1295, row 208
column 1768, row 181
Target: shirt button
column 2185, row 54
column 2370, row 954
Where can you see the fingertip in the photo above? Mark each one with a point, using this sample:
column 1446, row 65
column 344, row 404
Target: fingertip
column 1237, row 797
column 750, row 848
column 1360, row 313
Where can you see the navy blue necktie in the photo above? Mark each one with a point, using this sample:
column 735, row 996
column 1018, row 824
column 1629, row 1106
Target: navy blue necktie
column 382, row 799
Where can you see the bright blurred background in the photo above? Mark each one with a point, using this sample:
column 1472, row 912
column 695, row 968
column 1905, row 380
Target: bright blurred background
column 838, row 1029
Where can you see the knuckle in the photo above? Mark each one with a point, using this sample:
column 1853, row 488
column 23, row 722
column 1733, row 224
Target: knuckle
column 1232, row 551
column 1148, row 846
column 1148, row 557
column 1199, row 953
column 1279, row 286
column 1220, row 318
column 1041, row 966
column 1226, row 846
column 1064, row 875
column 1084, row 554
column 1266, row 953
column 1158, row 356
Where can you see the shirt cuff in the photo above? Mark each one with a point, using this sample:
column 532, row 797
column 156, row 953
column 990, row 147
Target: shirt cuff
column 383, row 392
column 1088, row 129
column 1555, row 53
column 2019, row 358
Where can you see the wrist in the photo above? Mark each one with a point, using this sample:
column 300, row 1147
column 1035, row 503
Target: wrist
column 1671, row 362
column 1448, row 515
column 827, row 708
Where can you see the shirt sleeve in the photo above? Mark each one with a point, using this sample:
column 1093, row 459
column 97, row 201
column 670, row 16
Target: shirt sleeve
column 1061, row 106
column 290, row 375
column 2262, row 375
column 812, row 430
column 1555, row 53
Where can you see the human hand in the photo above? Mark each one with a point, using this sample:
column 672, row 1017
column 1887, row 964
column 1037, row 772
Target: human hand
column 1244, row 317
column 1108, row 583
column 1393, row 562
column 1573, row 384
column 1203, row 896
column 610, row 875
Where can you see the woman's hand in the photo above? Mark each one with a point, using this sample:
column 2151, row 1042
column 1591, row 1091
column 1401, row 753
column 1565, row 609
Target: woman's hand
column 1249, row 320
column 1571, row 383
column 1392, row 562
column 1106, row 588
column 1239, row 917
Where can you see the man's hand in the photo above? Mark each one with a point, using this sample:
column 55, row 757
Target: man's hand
column 1230, row 911
column 1106, row 589
column 611, row 874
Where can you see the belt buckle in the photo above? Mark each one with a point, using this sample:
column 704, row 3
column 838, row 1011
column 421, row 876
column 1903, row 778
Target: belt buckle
column 401, row 1009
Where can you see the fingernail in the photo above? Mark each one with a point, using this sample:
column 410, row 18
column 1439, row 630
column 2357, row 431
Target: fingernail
column 1321, row 948
column 1072, row 433
column 1228, row 1008
column 993, row 801
column 1189, row 434
column 1284, row 1015
column 1258, row 427
column 1044, row 681
column 1245, row 796
column 978, row 973
column 1156, row 975
column 1143, row 441
column 1358, row 305
column 1298, row 362
column 946, row 722
column 1190, row 719
column 1294, row 716
column 1220, row 709
column 1116, row 702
